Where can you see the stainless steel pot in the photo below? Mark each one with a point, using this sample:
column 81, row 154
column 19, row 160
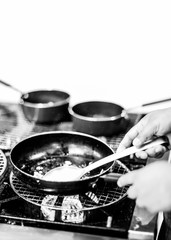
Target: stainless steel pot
column 43, row 106
column 101, row 118
column 98, row 118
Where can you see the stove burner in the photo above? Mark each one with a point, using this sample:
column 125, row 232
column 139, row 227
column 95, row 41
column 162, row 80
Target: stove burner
column 36, row 209
column 105, row 194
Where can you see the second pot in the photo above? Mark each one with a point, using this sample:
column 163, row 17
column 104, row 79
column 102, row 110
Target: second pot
column 99, row 118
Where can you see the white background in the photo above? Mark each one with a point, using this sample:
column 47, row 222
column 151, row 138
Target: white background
column 117, row 51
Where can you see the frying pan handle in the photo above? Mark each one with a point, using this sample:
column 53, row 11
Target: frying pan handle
column 111, row 177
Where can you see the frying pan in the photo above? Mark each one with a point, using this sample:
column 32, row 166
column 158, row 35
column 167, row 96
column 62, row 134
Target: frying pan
column 34, row 156
column 43, row 106
column 101, row 118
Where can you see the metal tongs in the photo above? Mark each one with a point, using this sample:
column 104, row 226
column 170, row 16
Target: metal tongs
column 163, row 140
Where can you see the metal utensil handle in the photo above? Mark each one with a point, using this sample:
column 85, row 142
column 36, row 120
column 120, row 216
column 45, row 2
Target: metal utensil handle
column 111, row 177
column 10, row 86
column 126, row 152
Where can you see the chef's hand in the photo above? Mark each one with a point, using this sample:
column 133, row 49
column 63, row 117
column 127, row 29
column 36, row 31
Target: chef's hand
column 150, row 186
column 156, row 123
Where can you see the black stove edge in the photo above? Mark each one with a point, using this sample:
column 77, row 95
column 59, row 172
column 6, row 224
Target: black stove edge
column 114, row 232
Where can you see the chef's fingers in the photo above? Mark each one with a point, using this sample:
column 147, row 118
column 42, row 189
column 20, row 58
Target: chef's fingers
column 137, row 135
column 157, row 152
column 132, row 192
column 128, row 138
column 142, row 155
column 127, row 179
column 146, row 129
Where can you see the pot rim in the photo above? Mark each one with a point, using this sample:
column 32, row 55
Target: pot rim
column 95, row 119
column 59, row 132
column 48, row 104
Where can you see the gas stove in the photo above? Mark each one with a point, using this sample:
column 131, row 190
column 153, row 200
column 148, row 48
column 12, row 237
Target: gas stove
column 21, row 206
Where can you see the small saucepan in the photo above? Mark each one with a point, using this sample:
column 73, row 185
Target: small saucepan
column 43, row 106
column 35, row 156
column 101, row 118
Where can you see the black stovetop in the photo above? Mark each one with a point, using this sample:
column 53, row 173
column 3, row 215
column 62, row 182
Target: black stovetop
column 113, row 220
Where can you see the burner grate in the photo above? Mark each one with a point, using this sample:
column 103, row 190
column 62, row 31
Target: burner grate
column 3, row 164
column 13, row 125
column 106, row 193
